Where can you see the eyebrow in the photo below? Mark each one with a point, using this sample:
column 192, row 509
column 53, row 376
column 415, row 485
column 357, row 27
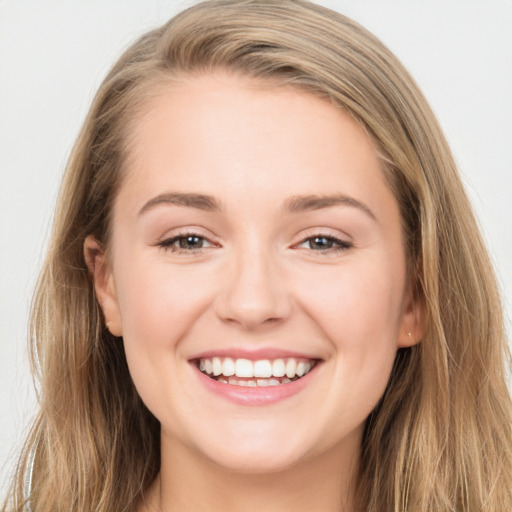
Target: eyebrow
column 295, row 204
column 298, row 204
column 198, row 201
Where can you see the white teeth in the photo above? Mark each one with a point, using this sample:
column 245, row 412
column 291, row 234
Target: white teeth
column 217, row 366
column 278, row 368
column 301, row 366
column 253, row 383
column 265, row 372
column 244, row 368
column 263, row 368
column 228, row 367
column 291, row 366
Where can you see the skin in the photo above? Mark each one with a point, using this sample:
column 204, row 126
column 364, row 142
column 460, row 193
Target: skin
column 256, row 280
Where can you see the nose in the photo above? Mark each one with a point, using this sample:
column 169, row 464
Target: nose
column 254, row 294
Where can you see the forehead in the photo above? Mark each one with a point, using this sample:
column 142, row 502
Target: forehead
column 221, row 133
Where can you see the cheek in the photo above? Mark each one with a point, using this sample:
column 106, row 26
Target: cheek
column 359, row 311
column 158, row 303
column 356, row 307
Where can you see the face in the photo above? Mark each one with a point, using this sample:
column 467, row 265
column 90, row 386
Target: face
column 257, row 273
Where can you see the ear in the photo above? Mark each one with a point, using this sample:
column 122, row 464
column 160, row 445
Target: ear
column 101, row 273
column 412, row 326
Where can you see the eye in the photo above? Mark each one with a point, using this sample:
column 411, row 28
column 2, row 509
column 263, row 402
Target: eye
column 186, row 242
column 324, row 243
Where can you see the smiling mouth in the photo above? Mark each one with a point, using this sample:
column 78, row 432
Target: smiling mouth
column 261, row 373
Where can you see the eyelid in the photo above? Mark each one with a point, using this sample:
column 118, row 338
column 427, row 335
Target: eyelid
column 342, row 243
column 186, row 231
column 166, row 241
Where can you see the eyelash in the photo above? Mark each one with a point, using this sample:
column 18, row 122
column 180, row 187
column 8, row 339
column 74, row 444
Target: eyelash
column 167, row 245
column 337, row 244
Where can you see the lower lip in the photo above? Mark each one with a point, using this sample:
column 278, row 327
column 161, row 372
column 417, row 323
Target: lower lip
column 260, row 395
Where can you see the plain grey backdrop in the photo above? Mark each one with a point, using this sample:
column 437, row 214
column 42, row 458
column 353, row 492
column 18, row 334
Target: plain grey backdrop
column 53, row 55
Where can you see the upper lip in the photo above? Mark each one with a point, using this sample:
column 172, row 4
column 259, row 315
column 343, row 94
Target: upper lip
column 252, row 355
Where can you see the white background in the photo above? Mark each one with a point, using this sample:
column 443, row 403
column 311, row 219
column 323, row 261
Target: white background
column 53, row 55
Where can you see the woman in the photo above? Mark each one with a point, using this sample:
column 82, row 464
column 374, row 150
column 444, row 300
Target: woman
column 265, row 287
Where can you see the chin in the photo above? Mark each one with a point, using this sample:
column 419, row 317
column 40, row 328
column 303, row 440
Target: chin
column 262, row 454
column 255, row 464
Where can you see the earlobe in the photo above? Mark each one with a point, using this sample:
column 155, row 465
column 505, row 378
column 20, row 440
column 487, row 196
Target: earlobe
column 412, row 326
column 101, row 274
column 409, row 337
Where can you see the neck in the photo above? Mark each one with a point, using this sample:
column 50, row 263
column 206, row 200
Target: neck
column 189, row 482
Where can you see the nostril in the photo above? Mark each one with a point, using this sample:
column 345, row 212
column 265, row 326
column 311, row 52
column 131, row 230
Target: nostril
column 254, row 294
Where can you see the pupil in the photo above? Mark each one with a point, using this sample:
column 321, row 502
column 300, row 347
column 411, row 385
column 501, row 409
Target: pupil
column 190, row 242
column 321, row 242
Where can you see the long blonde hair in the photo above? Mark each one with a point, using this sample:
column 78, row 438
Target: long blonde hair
column 441, row 437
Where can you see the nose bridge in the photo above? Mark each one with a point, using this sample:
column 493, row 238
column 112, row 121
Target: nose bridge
column 255, row 291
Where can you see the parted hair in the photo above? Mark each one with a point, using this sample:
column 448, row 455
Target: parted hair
column 440, row 439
